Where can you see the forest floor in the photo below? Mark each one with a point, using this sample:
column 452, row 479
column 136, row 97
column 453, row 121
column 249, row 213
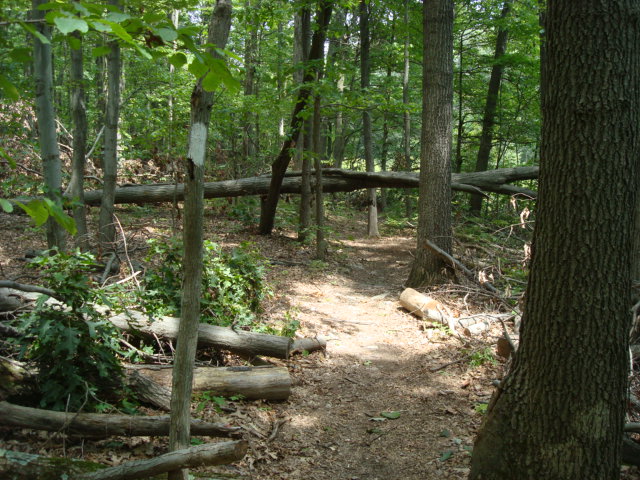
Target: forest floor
column 380, row 360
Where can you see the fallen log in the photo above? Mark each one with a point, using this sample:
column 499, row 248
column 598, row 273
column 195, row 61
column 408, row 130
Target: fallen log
column 198, row 456
column 334, row 180
column 253, row 383
column 100, row 425
column 27, row 466
column 237, row 341
column 424, row 307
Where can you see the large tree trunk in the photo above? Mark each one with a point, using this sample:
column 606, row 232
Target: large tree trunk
column 49, row 151
column 201, row 103
column 279, row 166
column 335, row 180
column 406, row 114
column 434, row 222
column 79, row 115
column 555, row 415
column 365, row 69
column 98, row 424
column 488, row 120
column 107, row 228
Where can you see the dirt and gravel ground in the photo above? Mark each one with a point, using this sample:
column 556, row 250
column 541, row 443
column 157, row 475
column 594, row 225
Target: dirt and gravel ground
column 380, row 360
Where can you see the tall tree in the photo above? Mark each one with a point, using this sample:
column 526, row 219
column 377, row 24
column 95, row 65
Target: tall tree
column 107, row 228
column 559, row 412
column 279, row 166
column 406, row 114
column 201, row 103
column 434, row 221
column 488, row 119
column 78, row 161
column 365, row 75
column 47, row 121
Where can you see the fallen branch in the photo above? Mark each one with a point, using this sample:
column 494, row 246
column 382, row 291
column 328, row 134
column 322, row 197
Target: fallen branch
column 198, row 456
column 100, row 425
column 27, row 288
column 236, row 341
column 457, row 264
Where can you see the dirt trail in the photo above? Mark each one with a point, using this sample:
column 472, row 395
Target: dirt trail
column 378, row 360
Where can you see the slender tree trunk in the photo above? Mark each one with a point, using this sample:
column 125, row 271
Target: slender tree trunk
column 321, row 244
column 47, row 124
column 434, row 223
column 201, row 103
column 557, row 416
column 304, row 148
column 279, row 166
column 488, row 119
column 365, row 69
column 406, row 115
column 460, row 120
column 79, row 115
column 250, row 59
column 107, row 229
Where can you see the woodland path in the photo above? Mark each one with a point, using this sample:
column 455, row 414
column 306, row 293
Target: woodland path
column 378, row 360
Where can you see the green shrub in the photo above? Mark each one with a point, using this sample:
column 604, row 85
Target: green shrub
column 233, row 284
column 74, row 349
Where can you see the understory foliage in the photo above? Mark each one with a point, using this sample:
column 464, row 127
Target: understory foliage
column 233, row 284
column 73, row 347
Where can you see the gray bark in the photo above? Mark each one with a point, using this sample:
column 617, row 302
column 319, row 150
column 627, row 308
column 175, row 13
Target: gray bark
column 335, row 180
column 107, row 228
column 488, row 119
column 201, row 103
column 406, row 115
column 79, row 115
column 47, row 124
column 365, row 70
column 557, row 416
column 434, row 223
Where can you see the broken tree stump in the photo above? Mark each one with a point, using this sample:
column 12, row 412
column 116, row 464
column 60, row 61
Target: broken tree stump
column 253, row 383
column 100, row 425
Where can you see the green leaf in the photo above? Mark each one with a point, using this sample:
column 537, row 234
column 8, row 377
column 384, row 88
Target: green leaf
column 60, row 216
column 211, row 82
column 35, row 33
column 100, row 51
column 8, row 89
column 197, row 68
column 154, row 16
column 446, row 455
column 390, row 415
column 74, row 42
column 117, row 17
column 101, row 26
column 178, row 59
column 5, row 155
column 21, row 54
column 167, row 34
column 71, row 24
column 6, row 205
column 37, row 210
column 445, row 433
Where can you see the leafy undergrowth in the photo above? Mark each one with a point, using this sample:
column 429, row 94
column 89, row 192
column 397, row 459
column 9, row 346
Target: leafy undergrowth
column 392, row 397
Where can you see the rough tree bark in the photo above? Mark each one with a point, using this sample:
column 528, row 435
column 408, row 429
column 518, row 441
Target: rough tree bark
column 47, row 122
column 201, row 103
column 434, row 221
column 279, row 166
column 406, row 115
column 107, row 228
column 556, row 416
column 365, row 70
column 488, row 119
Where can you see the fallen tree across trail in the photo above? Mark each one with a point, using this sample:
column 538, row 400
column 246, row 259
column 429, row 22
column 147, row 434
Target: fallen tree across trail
column 334, row 180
